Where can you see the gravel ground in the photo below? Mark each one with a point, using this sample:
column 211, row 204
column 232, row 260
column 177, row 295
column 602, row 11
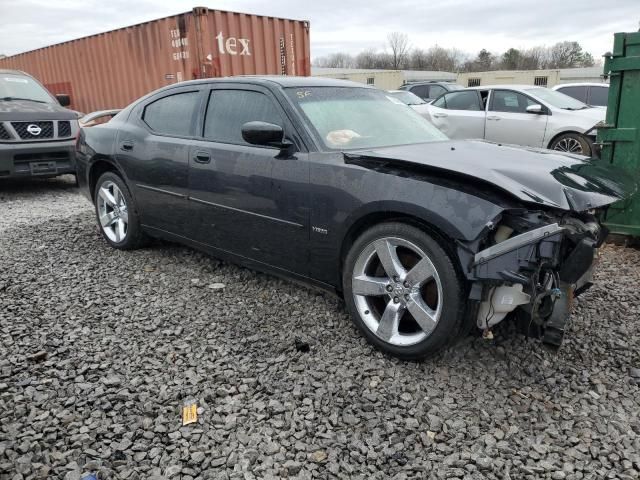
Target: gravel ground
column 101, row 348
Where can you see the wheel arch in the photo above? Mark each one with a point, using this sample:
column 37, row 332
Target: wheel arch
column 564, row 132
column 99, row 166
column 442, row 231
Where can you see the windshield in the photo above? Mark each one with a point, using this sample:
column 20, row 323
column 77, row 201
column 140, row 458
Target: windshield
column 557, row 99
column 408, row 98
column 349, row 117
column 454, row 86
column 23, row 88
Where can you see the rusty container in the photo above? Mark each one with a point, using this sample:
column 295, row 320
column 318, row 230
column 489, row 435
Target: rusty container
column 110, row 70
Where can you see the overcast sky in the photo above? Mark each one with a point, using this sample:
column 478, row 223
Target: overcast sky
column 342, row 25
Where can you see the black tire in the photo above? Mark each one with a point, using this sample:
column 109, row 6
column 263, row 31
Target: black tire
column 566, row 141
column 453, row 290
column 134, row 236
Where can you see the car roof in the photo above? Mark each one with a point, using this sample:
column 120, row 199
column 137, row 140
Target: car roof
column 281, row 80
column 581, row 84
column 512, row 86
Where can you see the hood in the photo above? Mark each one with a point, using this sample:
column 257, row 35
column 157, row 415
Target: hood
column 591, row 115
column 545, row 177
column 25, row 111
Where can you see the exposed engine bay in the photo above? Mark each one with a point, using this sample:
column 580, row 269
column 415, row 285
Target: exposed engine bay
column 532, row 264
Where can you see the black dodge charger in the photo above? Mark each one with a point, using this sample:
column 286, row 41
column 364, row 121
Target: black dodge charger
column 342, row 186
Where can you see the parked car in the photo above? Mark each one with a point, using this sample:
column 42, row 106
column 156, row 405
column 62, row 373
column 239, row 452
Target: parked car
column 336, row 184
column 37, row 134
column 594, row 94
column 429, row 91
column 520, row 115
column 413, row 101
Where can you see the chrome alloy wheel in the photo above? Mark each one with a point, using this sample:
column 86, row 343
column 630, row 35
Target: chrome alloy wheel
column 397, row 291
column 113, row 212
column 570, row 145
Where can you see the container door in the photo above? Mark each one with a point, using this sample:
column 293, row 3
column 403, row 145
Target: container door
column 246, row 199
column 620, row 138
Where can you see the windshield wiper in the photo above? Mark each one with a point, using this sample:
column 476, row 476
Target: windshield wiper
column 572, row 108
column 9, row 99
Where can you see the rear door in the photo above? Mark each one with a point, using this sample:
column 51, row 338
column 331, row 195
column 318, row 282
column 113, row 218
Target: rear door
column 509, row 122
column 248, row 200
column 153, row 148
column 459, row 114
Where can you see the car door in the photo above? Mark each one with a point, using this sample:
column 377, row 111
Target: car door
column 153, row 150
column 459, row 114
column 509, row 122
column 245, row 199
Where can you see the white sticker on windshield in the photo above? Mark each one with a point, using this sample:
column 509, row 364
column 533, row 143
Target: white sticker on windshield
column 394, row 100
column 16, row 80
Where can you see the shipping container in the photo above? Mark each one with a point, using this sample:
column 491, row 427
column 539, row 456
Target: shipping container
column 110, row 70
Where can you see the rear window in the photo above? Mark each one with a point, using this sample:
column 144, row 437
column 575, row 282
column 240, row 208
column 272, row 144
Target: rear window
column 172, row 115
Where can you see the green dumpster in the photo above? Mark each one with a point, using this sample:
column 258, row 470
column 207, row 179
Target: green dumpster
column 620, row 137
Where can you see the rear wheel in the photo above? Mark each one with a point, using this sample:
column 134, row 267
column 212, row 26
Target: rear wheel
column 403, row 291
column 115, row 212
column 572, row 143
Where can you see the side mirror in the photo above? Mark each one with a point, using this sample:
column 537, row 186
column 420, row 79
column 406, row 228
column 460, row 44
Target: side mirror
column 63, row 99
column 265, row 134
column 537, row 109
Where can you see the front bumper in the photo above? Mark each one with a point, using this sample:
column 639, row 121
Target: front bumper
column 41, row 159
column 550, row 264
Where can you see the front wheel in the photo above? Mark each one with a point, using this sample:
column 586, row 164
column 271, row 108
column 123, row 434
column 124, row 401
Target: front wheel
column 572, row 143
column 403, row 291
column 115, row 212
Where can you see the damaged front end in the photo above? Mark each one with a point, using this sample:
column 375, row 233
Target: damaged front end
column 533, row 263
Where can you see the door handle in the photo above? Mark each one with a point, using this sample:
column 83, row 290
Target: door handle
column 202, row 157
column 493, row 118
column 440, row 115
column 126, row 146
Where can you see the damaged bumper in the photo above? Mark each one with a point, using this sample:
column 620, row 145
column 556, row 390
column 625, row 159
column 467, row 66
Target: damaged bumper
column 540, row 271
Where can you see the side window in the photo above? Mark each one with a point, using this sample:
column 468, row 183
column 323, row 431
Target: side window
column 421, row 90
column 172, row 115
column 435, row 91
column 441, row 102
column 462, row 100
column 228, row 110
column 599, row 96
column 579, row 93
column 509, row 101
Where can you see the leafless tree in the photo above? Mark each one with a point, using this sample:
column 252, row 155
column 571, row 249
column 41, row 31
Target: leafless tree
column 399, row 46
column 335, row 60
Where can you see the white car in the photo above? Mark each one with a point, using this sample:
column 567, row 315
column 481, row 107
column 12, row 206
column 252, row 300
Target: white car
column 594, row 94
column 518, row 114
column 411, row 99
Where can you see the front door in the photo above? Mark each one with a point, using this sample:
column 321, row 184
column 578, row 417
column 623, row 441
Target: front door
column 245, row 199
column 509, row 122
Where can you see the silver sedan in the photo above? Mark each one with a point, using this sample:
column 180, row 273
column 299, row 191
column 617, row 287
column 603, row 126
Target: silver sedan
column 518, row 114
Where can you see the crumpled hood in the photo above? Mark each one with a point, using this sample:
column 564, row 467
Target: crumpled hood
column 25, row 111
column 554, row 179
